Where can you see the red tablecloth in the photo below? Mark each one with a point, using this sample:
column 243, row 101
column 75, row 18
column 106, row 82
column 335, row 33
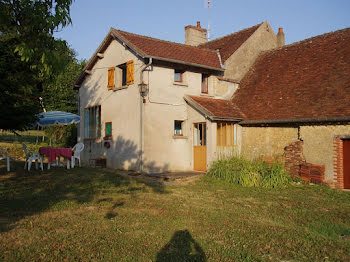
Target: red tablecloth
column 53, row 152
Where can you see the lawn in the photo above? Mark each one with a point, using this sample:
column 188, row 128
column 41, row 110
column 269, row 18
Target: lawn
column 98, row 214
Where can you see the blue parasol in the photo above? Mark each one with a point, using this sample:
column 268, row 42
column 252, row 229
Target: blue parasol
column 51, row 118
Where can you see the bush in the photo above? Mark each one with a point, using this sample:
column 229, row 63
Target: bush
column 250, row 173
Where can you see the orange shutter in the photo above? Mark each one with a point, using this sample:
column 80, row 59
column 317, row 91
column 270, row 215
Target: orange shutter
column 111, row 78
column 130, row 72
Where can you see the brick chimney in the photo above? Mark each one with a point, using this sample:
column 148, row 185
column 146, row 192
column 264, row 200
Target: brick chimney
column 195, row 35
column 280, row 37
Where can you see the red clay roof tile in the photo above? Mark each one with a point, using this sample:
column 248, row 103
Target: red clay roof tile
column 173, row 51
column 218, row 107
column 308, row 79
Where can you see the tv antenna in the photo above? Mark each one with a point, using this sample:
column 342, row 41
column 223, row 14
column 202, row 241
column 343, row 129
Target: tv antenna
column 209, row 6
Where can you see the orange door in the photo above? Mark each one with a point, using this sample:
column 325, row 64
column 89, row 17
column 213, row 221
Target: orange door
column 199, row 147
column 346, row 165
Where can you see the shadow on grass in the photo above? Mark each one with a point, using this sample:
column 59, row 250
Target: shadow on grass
column 181, row 247
column 24, row 193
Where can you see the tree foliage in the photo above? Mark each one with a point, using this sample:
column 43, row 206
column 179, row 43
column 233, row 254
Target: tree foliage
column 30, row 55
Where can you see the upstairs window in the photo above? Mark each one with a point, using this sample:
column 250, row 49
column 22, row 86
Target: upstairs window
column 178, row 128
column 121, row 75
column 204, row 89
column 178, row 75
column 226, row 134
column 92, row 122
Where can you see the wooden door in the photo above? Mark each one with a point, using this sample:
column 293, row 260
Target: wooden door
column 346, row 163
column 200, row 146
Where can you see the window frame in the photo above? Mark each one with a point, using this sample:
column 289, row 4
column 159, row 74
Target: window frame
column 226, row 134
column 96, row 124
column 181, row 125
column 108, row 136
column 206, row 84
column 181, row 73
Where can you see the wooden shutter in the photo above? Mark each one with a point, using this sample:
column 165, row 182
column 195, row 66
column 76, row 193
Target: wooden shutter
column 111, row 78
column 130, row 72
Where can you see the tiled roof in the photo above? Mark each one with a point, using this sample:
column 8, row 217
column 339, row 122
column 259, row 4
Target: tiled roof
column 217, row 107
column 230, row 43
column 171, row 51
column 308, row 79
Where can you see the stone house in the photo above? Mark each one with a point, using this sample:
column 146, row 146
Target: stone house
column 156, row 106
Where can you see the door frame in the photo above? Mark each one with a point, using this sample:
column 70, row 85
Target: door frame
column 205, row 144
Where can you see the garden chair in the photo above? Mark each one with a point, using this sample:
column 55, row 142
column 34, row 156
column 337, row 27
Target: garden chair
column 4, row 155
column 32, row 156
column 76, row 153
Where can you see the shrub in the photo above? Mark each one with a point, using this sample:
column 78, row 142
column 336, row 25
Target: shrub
column 237, row 170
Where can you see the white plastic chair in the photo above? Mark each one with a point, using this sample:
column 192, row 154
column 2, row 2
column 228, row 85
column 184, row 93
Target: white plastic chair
column 5, row 155
column 32, row 156
column 76, row 153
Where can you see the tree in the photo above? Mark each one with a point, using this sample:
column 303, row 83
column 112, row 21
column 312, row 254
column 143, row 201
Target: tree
column 58, row 94
column 30, row 55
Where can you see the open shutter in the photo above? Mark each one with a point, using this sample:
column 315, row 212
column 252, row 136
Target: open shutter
column 130, row 72
column 111, row 78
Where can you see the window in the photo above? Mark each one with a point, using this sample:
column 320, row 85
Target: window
column 178, row 75
column 122, row 69
column 226, row 134
column 92, row 122
column 121, row 75
column 199, row 134
column 204, row 84
column 108, row 129
column 178, row 128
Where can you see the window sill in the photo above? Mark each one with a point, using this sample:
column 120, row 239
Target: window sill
column 108, row 138
column 119, row 88
column 180, row 84
column 179, row 137
column 92, row 139
column 206, row 95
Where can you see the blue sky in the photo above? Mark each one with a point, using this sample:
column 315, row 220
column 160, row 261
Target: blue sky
column 166, row 19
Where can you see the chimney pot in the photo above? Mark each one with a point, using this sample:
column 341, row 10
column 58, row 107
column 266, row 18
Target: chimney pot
column 280, row 30
column 198, row 24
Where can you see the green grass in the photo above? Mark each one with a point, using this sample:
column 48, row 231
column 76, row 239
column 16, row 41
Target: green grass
column 98, row 215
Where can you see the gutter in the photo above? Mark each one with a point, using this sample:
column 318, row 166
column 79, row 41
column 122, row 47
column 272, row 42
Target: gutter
column 141, row 113
column 296, row 120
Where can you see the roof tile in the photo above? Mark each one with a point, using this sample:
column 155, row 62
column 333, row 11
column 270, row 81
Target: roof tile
column 308, row 79
column 173, row 51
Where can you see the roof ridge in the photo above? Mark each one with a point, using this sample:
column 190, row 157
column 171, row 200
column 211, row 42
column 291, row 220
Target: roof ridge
column 304, row 40
column 221, row 37
column 164, row 41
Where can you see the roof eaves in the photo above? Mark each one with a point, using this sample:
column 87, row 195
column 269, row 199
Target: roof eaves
column 296, row 120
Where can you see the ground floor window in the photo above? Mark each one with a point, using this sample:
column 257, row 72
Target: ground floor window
column 178, row 128
column 92, row 122
column 226, row 134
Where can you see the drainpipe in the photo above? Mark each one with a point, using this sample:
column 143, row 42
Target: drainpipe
column 142, row 94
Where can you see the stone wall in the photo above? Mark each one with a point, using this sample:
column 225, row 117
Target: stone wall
column 263, row 142
column 240, row 62
column 318, row 145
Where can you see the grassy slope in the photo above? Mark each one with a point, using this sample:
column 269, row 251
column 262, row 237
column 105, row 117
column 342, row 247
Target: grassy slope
column 93, row 214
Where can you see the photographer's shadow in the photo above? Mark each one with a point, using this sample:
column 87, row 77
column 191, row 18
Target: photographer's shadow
column 181, row 247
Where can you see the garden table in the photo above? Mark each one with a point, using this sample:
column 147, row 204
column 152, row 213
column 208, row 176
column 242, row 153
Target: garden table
column 53, row 152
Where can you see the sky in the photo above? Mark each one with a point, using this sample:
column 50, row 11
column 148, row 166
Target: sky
column 165, row 19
